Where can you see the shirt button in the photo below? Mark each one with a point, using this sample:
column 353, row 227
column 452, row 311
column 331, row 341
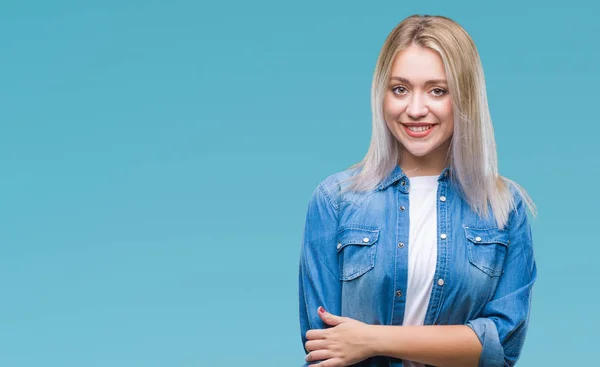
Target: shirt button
column 366, row 239
column 399, row 293
column 478, row 239
column 402, row 208
column 401, row 244
column 440, row 281
column 339, row 246
column 403, row 183
column 442, row 198
column 443, row 236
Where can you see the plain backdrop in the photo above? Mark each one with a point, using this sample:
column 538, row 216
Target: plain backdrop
column 157, row 157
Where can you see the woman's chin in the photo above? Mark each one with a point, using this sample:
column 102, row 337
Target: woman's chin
column 418, row 151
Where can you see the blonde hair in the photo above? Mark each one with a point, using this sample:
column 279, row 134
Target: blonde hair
column 473, row 156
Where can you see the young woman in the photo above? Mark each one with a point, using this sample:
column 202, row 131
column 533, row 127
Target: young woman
column 420, row 254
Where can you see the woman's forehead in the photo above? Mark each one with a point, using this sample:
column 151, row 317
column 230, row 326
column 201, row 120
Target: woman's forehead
column 418, row 65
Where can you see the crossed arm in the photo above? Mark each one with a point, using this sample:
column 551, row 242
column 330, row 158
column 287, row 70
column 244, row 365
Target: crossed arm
column 348, row 341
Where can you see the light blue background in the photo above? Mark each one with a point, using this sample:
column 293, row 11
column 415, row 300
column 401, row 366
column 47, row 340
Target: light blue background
column 157, row 157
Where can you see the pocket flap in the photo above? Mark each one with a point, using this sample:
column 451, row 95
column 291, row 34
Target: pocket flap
column 487, row 235
column 364, row 236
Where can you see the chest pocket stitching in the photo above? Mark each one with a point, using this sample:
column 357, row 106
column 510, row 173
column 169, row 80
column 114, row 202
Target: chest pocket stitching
column 487, row 249
column 356, row 250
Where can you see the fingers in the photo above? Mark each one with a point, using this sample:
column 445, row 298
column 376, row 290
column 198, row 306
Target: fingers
column 315, row 345
column 318, row 355
column 329, row 318
column 316, row 334
column 332, row 362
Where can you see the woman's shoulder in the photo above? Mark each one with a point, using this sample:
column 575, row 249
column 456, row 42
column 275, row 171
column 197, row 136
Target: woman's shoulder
column 521, row 201
column 334, row 181
column 333, row 185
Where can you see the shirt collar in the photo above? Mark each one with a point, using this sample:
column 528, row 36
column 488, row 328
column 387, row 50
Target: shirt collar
column 398, row 175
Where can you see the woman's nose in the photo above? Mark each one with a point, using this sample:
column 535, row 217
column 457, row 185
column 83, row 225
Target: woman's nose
column 416, row 107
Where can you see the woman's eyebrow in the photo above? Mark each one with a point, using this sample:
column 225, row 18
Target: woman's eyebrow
column 433, row 81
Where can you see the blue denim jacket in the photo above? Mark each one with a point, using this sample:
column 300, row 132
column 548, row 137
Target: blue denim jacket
column 354, row 262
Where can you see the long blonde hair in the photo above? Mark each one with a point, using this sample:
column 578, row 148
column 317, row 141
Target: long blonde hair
column 473, row 156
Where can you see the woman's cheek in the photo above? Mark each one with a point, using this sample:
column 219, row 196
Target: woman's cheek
column 393, row 109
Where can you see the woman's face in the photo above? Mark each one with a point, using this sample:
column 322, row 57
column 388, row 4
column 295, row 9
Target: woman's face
column 417, row 107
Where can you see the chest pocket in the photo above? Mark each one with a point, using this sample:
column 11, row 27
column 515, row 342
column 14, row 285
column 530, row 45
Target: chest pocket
column 487, row 249
column 356, row 247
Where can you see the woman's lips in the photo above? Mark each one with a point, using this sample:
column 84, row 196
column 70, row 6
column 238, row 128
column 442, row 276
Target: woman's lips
column 419, row 134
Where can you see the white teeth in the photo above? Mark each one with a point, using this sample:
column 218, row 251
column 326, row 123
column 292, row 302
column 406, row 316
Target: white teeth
column 419, row 128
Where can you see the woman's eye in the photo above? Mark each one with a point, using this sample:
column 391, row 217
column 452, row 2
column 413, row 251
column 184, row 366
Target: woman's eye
column 438, row 92
column 399, row 90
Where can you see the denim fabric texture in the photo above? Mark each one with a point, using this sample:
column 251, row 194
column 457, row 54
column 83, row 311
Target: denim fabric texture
column 354, row 260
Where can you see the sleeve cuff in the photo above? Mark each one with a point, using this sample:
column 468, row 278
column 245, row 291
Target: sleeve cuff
column 492, row 353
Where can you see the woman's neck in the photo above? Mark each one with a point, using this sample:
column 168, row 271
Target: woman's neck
column 429, row 165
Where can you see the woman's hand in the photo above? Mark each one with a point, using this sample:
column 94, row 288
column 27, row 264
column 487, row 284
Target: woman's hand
column 348, row 342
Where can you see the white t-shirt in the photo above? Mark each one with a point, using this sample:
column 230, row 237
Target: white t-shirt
column 422, row 250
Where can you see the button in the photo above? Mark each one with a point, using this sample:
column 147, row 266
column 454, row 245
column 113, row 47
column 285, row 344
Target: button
column 401, row 244
column 402, row 208
column 339, row 246
column 478, row 239
column 442, row 198
column 443, row 236
column 366, row 239
column 399, row 293
column 403, row 183
column 440, row 281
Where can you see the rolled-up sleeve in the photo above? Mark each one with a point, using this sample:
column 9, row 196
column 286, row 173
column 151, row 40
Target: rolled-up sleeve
column 502, row 326
column 319, row 282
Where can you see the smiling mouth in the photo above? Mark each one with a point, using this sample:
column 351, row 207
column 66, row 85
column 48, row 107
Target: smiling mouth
column 418, row 130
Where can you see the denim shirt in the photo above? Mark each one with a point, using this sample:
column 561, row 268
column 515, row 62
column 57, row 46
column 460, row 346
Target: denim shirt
column 354, row 263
